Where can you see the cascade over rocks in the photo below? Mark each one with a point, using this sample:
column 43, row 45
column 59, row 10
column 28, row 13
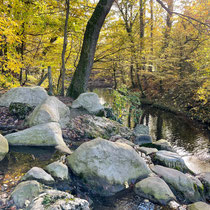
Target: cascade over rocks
column 90, row 102
column 4, row 147
column 182, row 186
column 51, row 110
column 107, row 167
column 48, row 134
column 90, row 127
column 29, row 95
column 55, row 199
column 154, row 189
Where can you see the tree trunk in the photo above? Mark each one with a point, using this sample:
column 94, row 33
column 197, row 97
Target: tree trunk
column 63, row 68
column 81, row 75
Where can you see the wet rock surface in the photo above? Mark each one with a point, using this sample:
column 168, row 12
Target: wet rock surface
column 170, row 159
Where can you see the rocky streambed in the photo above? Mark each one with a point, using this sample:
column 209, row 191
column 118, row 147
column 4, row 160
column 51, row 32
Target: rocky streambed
column 92, row 162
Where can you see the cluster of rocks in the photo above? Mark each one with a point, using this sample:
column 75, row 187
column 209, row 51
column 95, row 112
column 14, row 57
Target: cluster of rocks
column 116, row 159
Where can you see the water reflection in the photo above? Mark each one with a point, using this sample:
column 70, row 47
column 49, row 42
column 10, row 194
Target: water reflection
column 186, row 136
column 20, row 159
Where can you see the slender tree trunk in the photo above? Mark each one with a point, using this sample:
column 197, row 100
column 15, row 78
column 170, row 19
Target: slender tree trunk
column 141, row 20
column 151, row 25
column 81, row 75
column 63, row 68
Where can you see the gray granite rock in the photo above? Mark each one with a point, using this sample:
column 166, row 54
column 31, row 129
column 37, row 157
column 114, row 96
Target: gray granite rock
column 25, row 191
column 147, row 150
column 38, row 174
column 48, row 134
column 154, row 189
column 182, row 186
column 58, row 200
column 171, row 160
column 89, row 101
column 107, row 167
column 198, row 206
column 58, row 170
column 51, row 110
column 29, row 95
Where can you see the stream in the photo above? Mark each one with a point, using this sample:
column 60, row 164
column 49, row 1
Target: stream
column 188, row 138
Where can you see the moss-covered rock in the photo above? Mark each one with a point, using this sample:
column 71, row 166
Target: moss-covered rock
column 198, row 206
column 182, row 186
column 20, row 110
column 55, row 199
column 90, row 127
column 154, row 189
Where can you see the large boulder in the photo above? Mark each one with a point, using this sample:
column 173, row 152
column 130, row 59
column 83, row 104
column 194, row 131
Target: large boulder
column 4, row 147
column 182, row 186
column 25, row 191
column 54, row 199
column 51, row 110
column 38, row 174
column 107, row 167
column 171, row 160
column 29, row 95
column 90, row 127
column 48, row 134
column 90, row 102
column 58, row 170
column 154, row 189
